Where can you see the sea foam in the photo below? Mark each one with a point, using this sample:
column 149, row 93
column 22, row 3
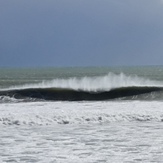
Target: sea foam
column 52, row 113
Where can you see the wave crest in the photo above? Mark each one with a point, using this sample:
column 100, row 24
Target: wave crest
column 96, row 83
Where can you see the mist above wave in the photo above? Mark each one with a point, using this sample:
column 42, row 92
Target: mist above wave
column 106, row 82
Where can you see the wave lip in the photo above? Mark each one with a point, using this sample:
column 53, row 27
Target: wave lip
column 92, row 83
column 63, row 94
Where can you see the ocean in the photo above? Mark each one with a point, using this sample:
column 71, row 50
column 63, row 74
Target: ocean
column 87, row 115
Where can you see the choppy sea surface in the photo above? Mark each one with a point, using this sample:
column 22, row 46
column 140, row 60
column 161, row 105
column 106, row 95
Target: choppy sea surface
column 87, row 115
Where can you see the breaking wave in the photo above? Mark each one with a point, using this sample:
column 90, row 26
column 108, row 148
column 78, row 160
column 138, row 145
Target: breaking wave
column 61, row 94
column 108, row 87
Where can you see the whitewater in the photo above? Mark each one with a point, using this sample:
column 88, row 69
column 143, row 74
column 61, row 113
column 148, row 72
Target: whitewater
column 95, row 83
column 125, row 129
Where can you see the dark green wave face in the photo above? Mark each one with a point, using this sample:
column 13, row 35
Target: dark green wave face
column 60, row 94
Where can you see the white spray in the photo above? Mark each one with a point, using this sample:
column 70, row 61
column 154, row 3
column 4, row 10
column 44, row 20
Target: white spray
column 105, row 82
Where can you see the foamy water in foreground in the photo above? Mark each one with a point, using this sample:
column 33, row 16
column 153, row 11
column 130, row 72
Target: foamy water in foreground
column 124, row 131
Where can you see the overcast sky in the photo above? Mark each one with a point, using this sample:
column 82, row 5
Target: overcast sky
column 81, row 32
